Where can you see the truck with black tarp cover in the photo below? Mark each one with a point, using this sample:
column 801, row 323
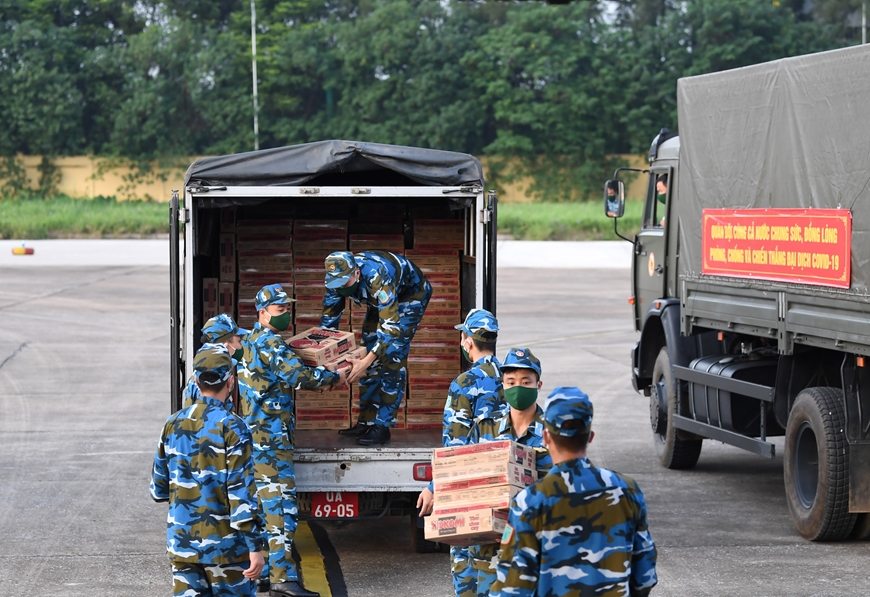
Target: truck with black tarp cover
column 372, row 189
column 751, row 279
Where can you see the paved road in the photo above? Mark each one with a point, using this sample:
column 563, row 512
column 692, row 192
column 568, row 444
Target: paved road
column 83, row 394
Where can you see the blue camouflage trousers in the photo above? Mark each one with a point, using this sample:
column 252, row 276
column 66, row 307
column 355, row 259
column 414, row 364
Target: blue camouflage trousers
column 383, row 387
column 202, row 580
column 471, row 577
column 276, row 490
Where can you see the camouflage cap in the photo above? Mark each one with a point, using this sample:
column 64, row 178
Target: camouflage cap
column 339, row 268
column 273, row 294
column 521, row 358
column 480, row 324
column 567, row 404
column 221, row 328
column 214, row 358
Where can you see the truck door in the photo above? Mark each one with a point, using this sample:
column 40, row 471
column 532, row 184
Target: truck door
column 489, row 262
column 176, row 367
column 649, row 249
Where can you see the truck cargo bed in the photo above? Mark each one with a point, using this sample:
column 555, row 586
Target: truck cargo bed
column 402, row 440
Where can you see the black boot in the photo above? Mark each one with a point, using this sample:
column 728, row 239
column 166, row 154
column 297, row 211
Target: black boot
column 355, row 431
column 376, row 435
column 291, row 588
column 263, row 585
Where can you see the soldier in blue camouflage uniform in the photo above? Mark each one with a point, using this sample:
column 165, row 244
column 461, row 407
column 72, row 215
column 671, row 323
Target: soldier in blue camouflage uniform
column 580, row 530
column 474, row 395
column 269, row 371
column 222, row 330
column 396, row 294
column 203, row 468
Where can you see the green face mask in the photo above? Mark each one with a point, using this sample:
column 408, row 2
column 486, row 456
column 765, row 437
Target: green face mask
column 347, row 291
column 238, row 354
column 280, row 322
column 520, row 397
column 465, row 354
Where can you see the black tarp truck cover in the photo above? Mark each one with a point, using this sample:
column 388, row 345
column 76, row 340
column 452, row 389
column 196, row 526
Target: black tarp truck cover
column 296, row 165
column 794, row 133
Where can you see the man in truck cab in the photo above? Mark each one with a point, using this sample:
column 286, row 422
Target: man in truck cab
column 662, row 197
column 396, row 293
column 580, row 530
column 220, row 329
column 269, row 371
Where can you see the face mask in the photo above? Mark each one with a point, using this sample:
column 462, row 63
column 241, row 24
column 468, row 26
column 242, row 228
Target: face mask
column 238, row 354
column 520, row 397
column 465, row 354
column 280, row 322
column 347, row 291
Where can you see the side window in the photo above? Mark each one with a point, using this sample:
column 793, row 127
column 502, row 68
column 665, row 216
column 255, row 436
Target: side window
column 658, row 193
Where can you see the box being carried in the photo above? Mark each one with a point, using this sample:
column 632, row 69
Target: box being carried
column 463, row 527
column 318, row 346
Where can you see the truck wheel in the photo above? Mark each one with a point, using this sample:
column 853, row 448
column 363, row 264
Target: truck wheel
column 673, row 452
column 817, row 466
column 418, row 538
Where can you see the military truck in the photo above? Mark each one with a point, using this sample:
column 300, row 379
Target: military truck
column 360, row 183
column 751, row 279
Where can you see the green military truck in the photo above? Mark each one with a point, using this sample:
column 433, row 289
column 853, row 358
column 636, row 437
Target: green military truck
column 751, row 279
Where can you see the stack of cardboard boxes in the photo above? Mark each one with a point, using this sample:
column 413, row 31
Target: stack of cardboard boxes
column 265, row 256
column 313, row 240
column 474, row 486
column 434, row 360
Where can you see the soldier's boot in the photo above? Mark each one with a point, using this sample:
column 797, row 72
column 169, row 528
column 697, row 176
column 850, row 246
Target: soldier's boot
column 376, row 435
column 355, row 431
column 263, row 585
column 290, row 588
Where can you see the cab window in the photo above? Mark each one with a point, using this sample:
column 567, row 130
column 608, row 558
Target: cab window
column 658, row 193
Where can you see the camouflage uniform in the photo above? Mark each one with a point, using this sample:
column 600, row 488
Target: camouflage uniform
column 396, row 293
column 579, row 530
column 217, row 330
column 268, row 373
column 203, row 468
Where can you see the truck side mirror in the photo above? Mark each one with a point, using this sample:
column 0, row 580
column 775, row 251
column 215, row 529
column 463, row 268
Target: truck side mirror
column 614, row 198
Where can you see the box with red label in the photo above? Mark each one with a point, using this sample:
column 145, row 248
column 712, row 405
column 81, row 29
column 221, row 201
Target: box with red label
column 466, row 526
column 330, row 399
column 394, row 243
column 437, row 333
column 317, row 346
column 322, row 414
column 227, row 298
column 427, row 405
column 497, row 497
column 227, row 257
column 420, row 349
column 516, row 475
column 323, row 424
column 480, row 460
column 415, row 420
column 425, row 365
column 439, row 234
column 445, row 317
column 209, row 298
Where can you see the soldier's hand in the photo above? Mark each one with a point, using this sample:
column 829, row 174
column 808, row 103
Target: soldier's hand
column 358, row 369
column 256, row 567
column 342, row 377
column 425, row 501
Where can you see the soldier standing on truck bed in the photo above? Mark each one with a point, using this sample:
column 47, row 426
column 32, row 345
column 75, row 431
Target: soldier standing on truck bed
column 396, row 293
column 219, row 330
column 580, row 530
column 473, row 395
column 269, row 372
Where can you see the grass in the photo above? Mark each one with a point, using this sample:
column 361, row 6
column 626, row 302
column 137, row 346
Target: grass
column 565, row 221
column 64, row 217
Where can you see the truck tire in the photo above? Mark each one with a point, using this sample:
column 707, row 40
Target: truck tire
column 816, row 462
column 673, row 452
column 419, row 543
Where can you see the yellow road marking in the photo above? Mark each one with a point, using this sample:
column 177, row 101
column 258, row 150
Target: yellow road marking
column 313, row 571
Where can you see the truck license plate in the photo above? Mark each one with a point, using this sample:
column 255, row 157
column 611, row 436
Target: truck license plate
column 335, row 504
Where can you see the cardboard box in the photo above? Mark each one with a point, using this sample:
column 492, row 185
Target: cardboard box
column 209, row 298
column 497, row 497
column 317, row 346
column 330, row 402
column 419, row 349
column 227, row 298
column 322, row 425
column 516, row 475
column 463, row 527
column 227, row 257
column 495, row 455
column 228, row 220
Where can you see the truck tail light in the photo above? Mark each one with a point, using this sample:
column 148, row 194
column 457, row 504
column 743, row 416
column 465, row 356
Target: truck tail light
column 423, row 471
column 631, row 300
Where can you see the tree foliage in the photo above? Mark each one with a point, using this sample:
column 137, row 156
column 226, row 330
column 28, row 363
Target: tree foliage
column 547, row 91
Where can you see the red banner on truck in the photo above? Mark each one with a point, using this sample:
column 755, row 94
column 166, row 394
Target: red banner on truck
column 806, row 246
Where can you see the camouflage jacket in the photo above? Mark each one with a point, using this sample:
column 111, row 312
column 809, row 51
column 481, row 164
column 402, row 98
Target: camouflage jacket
column 203, row 468
column 268, row 372
column 474, row 395
column 501, row 427
column 578, row 531
column 386, row 280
